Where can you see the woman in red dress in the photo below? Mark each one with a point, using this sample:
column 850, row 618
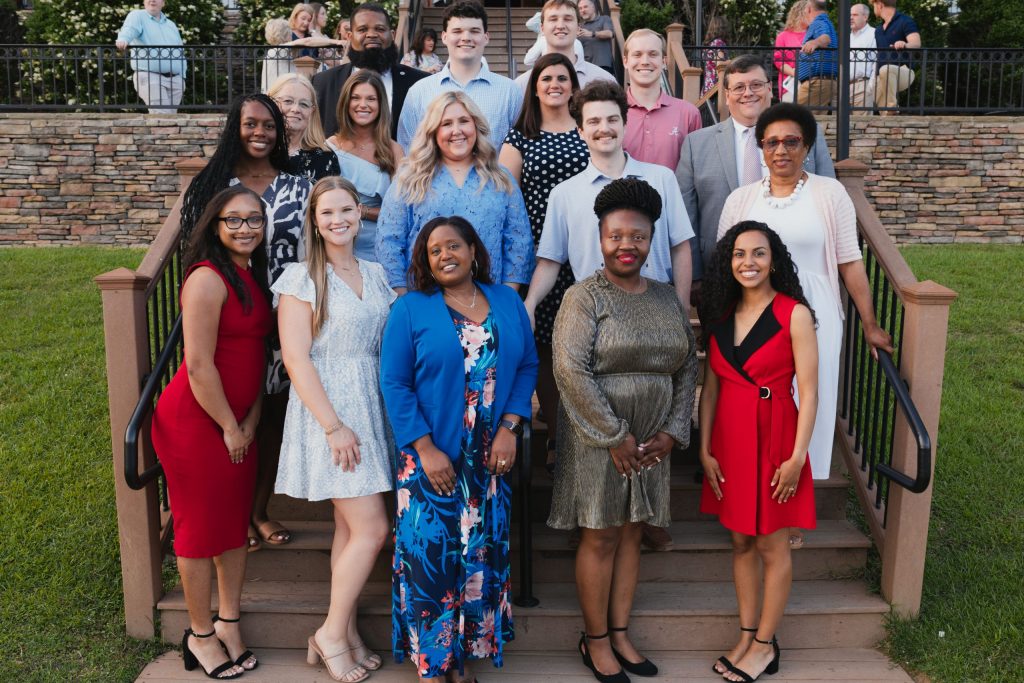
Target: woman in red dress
column 205, row 421
column 753, row 439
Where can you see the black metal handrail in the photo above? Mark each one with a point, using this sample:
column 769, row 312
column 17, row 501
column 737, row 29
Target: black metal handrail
column 143, row 408
column 920, row 482
column 525, row 598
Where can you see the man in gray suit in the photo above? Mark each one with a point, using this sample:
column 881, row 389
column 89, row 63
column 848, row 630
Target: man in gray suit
column 715, row 161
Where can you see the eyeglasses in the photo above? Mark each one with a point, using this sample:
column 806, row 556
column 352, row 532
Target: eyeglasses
column 755, row 88
column 791, row 143
column 235, row 222
column 288, row 103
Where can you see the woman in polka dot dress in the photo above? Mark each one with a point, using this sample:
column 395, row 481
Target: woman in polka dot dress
column 543, row 149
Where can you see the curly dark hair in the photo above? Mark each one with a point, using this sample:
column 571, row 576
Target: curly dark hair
column 221, row 167
column 628, row 193
column 530, row 119
column 787, row 111
column 598, row 91
column 420, row 277
column 720, row 290
column 204, row 245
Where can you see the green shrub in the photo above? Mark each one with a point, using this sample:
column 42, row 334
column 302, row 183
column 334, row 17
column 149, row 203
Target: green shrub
column 254, row 15
column 11, row 30
column 646, row 14
column 751, row 22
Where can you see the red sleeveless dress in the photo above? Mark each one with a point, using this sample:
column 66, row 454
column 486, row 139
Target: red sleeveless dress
column 210, row 496
column 755, row 425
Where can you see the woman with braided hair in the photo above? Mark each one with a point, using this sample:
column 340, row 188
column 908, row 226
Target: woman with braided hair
column 253, row 151
column 757, row 477
column 626, row 367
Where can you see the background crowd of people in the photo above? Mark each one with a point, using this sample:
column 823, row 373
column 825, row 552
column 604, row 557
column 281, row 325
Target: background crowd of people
column 404, row 355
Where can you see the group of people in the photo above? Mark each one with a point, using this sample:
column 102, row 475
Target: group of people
column 354, row 325
column 881, row 57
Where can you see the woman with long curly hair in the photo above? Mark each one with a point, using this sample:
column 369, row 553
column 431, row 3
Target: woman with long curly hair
column 366, row 154
column 205, row 421
column 452, row 170
column 753, row 439
column 253, row 151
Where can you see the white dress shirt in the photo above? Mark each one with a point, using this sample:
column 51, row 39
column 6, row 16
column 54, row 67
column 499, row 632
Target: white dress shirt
column 862, row 64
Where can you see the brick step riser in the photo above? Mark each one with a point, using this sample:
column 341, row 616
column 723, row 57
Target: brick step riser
column 558, row 566
column 553, row 633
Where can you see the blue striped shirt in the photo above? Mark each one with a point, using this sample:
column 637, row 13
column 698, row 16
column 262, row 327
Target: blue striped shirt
column 822, row 63
column 142, row 28
column 498, row 98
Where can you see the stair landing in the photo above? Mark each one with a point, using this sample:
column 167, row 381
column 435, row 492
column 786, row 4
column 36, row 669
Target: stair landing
column 860, row 665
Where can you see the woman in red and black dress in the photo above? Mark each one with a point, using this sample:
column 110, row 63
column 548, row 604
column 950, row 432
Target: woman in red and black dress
column 753, row 439
column 205, row 422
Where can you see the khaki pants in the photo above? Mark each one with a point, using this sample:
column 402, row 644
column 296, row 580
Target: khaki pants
column 816, row 92
column 162, row 94
column 892, row 80
column 862, row 93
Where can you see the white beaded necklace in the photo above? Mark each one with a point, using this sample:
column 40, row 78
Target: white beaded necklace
column 780, row 202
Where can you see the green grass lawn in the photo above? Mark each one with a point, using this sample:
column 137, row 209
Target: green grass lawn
column 971, row 626
column 60, row 611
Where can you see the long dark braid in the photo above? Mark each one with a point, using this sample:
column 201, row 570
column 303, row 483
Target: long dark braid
column 204, row 245
column 221, row 167
column 720, row 291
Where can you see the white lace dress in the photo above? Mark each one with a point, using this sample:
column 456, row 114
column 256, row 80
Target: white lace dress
column 346, row 355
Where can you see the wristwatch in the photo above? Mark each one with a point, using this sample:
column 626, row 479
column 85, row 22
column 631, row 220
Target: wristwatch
column 514, row 427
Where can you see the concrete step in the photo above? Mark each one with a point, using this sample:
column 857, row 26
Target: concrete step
column 833, row 664
column 701, row 552
column 666, row 615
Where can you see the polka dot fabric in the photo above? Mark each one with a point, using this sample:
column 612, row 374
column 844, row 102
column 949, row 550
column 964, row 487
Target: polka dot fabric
column 548, row 159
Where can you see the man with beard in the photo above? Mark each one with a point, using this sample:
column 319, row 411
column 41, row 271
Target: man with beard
column 371, row 46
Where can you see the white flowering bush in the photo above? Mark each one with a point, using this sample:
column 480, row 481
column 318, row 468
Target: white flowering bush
column 751, row 22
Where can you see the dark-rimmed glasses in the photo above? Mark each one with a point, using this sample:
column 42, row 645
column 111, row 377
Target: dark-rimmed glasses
column 755, row 88
column 235, row 222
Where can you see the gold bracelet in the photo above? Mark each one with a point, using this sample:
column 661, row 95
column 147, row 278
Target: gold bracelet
column 333, row 428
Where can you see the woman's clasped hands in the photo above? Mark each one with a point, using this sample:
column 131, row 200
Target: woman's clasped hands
column 630, row 456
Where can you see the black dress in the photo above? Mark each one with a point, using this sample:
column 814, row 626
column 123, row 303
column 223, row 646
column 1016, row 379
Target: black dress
column 314, row 164
column 548, row 159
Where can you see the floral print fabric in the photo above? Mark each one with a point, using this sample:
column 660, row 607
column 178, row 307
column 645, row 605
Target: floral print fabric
column 451, row 584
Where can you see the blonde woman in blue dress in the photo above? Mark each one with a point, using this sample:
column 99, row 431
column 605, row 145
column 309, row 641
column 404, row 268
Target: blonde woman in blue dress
column 337, row 443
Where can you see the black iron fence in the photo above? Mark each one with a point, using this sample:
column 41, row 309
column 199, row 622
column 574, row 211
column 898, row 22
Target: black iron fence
column 923, row 81
column 164, row 78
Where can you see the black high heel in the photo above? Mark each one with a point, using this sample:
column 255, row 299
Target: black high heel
column 191, row 662
column 771, row 669
column 644, row 668
column 245, row 656
column 724, row 661
column 619, row 677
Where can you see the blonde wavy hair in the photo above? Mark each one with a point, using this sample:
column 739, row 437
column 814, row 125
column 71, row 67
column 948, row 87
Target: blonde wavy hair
column 795, row 15
column 299, row 9
column 421, row 165
column 316, row 252
column 313, row 137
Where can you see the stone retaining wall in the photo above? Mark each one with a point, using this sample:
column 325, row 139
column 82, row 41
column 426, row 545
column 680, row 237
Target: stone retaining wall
column 110, row 178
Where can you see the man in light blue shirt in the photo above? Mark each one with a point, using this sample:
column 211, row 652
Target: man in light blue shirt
column 571, row 226
column 465, row 35
column 159, row 72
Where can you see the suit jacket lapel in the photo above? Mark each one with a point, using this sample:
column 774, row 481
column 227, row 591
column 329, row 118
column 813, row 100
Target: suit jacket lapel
column 726, row 143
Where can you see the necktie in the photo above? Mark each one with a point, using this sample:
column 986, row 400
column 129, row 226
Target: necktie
column 751, row 159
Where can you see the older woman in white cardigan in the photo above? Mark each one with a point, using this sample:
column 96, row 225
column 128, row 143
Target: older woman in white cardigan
column 817, row 222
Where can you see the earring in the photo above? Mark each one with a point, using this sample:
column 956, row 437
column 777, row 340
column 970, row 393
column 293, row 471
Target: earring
column 772, row 269
column 474, row 268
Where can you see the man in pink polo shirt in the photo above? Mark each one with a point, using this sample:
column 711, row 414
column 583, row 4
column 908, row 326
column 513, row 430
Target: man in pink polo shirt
column 657, row 123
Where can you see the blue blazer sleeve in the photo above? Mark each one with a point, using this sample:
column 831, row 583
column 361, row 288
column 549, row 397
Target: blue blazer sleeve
column 397, row 377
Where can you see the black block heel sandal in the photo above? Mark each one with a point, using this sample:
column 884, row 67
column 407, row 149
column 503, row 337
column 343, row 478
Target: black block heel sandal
column 191, row 662
column 724, row 661
column 245, row 656
column 771, row 669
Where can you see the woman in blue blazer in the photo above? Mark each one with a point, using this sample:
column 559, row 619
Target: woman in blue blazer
column 458, row 367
